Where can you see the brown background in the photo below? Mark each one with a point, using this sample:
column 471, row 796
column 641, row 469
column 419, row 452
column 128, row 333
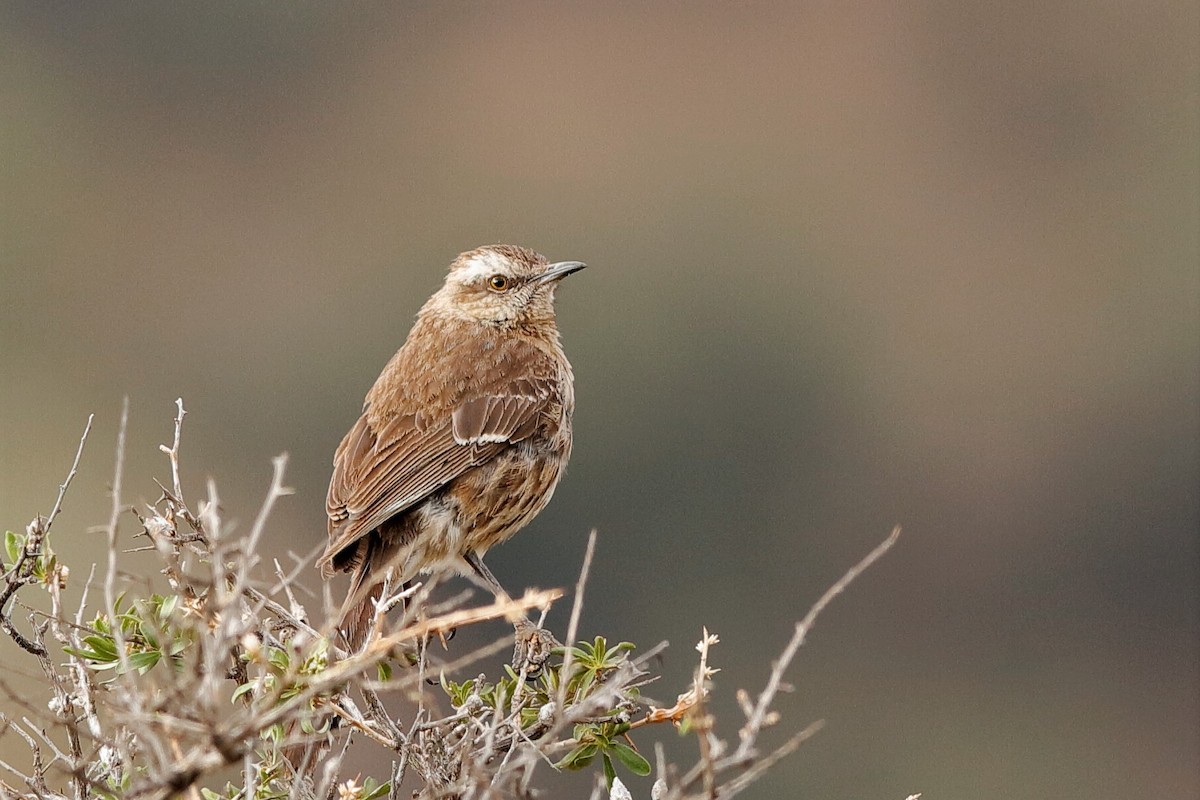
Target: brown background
column 852, row 264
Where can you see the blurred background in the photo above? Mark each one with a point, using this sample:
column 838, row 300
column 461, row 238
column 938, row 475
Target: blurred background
column 933, row 263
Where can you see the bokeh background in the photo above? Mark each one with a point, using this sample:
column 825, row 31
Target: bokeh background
column 933, row 263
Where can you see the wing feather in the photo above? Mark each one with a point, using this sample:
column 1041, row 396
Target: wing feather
column 379, row 474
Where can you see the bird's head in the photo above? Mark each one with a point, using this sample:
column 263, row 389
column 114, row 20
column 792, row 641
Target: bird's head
column 502, row 285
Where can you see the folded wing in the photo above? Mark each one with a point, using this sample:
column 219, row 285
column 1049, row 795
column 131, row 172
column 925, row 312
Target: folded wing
column 378, row 474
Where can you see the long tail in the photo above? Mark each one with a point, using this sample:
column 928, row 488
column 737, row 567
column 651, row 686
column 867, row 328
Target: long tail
column 354, row 625
column 358, row 611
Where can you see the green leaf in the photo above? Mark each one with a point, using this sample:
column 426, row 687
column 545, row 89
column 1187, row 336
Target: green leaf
column 631, row 758
column 144, row 661
column 105, row 647
column 373, row 791
column 580, row 757
column 14, row 543
column 148, row 631
column 618, row 649
column 610, row 773
column 278, row 658
column 100, row 666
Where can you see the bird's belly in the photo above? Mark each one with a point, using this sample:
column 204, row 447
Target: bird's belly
column 497, row 499
column 479, row 509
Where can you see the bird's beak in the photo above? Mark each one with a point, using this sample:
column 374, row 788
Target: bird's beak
column 560, row 270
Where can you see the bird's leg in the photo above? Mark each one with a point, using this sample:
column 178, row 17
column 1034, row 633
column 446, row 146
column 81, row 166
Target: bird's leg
column 481, row 569
column 533, row 644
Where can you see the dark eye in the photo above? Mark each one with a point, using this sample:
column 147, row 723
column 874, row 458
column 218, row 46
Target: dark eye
column 498, row 283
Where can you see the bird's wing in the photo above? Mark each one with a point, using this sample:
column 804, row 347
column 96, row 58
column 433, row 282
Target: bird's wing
column 378, row 474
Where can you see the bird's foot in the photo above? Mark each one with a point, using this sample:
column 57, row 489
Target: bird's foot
column 533, row 648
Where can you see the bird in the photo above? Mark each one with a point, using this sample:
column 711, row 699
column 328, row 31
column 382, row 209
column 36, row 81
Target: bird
column 462, row 439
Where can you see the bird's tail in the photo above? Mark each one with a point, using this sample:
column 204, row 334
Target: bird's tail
column 354, row 626
column 357, row 619
column 358, row 612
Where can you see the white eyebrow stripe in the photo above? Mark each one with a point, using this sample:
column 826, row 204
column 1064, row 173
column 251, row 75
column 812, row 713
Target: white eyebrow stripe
column 479, row 267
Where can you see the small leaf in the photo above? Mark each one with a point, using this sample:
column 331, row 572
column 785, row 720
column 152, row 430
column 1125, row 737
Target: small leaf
column 14, row 543
column 371, row 791
column 87, row 655
column 610, row 772
column 278, row 658
column 617, row 649
column 631, row 758
column 105, row 648
column 148, row 631
column 143, row 662
column 580, row 757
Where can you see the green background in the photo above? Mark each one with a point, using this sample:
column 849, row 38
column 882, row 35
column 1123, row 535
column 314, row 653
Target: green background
column 933, row 263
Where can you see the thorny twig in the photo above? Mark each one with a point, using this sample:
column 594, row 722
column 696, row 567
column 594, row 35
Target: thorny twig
column 744, row 760
column 62, row 488
column 576, row 613
column 754, row 724
column 19, row 574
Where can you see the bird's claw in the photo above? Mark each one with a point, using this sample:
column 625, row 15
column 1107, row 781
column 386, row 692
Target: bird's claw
column 446, row 635
column 533, row 648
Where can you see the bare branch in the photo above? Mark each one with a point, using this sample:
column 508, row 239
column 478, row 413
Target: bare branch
column 173, row 451
column 576, row 613
column 62, row 489
column 755, row 723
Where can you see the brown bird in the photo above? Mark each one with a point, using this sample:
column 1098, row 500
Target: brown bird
column 463, row 437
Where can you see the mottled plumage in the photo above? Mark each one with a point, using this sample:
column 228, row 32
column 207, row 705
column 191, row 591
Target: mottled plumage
column 463, row 437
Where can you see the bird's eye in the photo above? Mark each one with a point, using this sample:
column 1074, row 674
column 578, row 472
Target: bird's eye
column 498, row 283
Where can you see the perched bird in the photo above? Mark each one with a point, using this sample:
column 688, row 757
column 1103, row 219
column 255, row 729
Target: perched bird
column 463, row 437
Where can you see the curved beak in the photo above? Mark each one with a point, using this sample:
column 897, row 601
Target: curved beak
column 560, row 270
